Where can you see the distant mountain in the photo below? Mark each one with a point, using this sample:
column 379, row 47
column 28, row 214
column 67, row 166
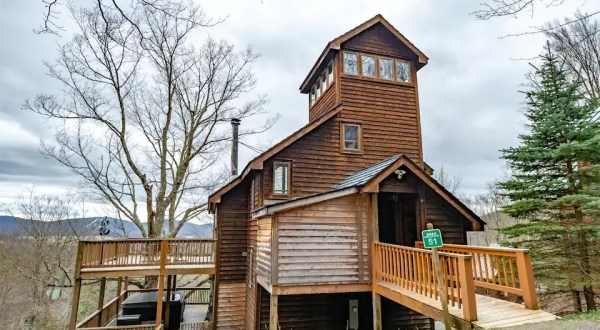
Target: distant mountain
column 10, row 225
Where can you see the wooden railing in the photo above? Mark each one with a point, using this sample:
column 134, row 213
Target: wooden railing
column 206, row 325
column 192, row 296
column 146, row 252
column 130, row 327
column 501, row 269
column 412, row 269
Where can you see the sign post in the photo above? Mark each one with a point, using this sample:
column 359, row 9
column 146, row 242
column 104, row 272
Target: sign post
column 432, row 239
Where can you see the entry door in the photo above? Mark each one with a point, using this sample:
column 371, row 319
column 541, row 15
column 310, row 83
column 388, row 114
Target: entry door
column 397, row 219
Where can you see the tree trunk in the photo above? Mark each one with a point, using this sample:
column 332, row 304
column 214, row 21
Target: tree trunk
column 588, row 293
column 576, row 301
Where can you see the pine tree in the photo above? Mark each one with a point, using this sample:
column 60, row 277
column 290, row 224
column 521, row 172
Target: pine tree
column 554, row 187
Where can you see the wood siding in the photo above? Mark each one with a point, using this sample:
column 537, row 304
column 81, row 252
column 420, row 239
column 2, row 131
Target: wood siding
column 395, row 316
column 319, row 244
column 445, row 218
column 232, row 229
column 379, row 40
column 323, row 104
column 263, row 256
column 251, row 275
column 231, row 306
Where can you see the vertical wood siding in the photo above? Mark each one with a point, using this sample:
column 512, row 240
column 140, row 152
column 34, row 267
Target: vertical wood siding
column 251, row 275
column 319, row 244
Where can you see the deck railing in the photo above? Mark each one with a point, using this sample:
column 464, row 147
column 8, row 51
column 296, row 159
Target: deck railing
column 501, row 269
column 192, row 296
column 412, row 269
column 146, row 252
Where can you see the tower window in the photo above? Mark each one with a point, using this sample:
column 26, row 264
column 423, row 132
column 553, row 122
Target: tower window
column 368, row 65
column 281, row 178
column 330, row 73
column 351, row 137
column 402, row 71
column 350, row 63
column 386, row 70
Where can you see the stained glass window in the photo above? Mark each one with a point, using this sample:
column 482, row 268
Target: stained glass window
column 368, row 65
column 350, row 63
column 281, row 178
column 402, row 71
column 351, row 137
column 386, row 70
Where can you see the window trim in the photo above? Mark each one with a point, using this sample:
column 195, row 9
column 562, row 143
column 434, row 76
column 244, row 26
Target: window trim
column 289, row 164
column 343, row 148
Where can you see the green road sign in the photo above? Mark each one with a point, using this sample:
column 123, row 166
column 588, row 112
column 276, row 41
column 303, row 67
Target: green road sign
column 432, row 238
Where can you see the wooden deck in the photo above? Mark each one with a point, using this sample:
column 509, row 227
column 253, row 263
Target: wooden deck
column 491, row 312
column 405, row 275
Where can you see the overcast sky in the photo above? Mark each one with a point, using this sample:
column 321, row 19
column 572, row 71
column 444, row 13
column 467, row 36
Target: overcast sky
column 470, row 104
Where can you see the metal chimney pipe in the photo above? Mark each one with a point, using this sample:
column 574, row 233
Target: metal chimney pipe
column 235, row 123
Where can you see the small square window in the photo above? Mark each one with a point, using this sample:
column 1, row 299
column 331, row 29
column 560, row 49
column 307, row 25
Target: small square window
column 281, row 178
column 350, row 63
column 330, row 73
column 324, row 81
column 402, row 71
column 351, row 137
column 368, row 65
column 386, row 70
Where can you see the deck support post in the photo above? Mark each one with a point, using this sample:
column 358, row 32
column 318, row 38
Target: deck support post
column 274, row 313
column 101, row 300
column 376, row 311
column 526, row 281
column 164, row 246
column 168, row 300
column 75, row 303
column 119, row 290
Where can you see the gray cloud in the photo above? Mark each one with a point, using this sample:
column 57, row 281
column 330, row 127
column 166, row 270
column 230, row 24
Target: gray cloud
column 470, row 105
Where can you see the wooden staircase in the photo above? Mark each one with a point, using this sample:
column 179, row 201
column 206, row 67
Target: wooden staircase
column 470, row 274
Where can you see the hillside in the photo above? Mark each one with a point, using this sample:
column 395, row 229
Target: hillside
column 10, row 225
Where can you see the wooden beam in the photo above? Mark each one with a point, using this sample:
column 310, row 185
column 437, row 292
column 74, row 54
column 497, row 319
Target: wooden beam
column 526, row 281
column 274, row 313
column 75, row 304
column 168, row 300
column 119, row 290
column 467, row 286
column 377, row 325
column 164, row 246
column 101, row 300
column 320, row 289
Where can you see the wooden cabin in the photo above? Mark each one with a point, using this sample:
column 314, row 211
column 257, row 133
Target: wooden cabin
column 297, row 228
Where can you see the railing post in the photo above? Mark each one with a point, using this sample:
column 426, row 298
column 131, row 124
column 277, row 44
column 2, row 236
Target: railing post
column 164, row 246
column 526, row 281
column 467, row 287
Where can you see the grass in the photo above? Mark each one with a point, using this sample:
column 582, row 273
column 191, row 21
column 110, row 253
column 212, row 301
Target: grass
column 588, row 316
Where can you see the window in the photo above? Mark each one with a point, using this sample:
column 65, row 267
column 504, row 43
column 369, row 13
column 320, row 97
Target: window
column 351, row 134
column 368, row 66
column 330, row 73
column 281, row 178
column 324, row 81
column 313, row 96
column 402, row 71
column 318, row 88
column 386, row 70
column 350, row 63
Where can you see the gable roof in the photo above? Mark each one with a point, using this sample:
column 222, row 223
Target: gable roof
column 370, row 177
column 257, row 162
column 335, row 45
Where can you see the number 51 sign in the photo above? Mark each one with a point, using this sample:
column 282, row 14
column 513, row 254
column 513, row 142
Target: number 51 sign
column 432, row 238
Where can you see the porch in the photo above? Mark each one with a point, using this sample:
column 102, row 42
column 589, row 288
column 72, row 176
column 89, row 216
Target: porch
column 163, row 258
column 484, row 286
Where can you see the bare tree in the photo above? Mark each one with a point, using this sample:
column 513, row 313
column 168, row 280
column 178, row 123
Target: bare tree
column 578, row 46
column 450, row 182
column 146, row 115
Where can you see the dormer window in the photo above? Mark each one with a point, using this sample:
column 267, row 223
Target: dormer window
column 350, row 63
column 402, row 71
column 368, row 66
column 281, row 178
column 351, row 136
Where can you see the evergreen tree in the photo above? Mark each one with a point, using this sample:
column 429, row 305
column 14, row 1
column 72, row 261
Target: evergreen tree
column 554, row 187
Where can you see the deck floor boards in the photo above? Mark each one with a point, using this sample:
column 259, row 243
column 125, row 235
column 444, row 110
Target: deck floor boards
column 491, row 312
